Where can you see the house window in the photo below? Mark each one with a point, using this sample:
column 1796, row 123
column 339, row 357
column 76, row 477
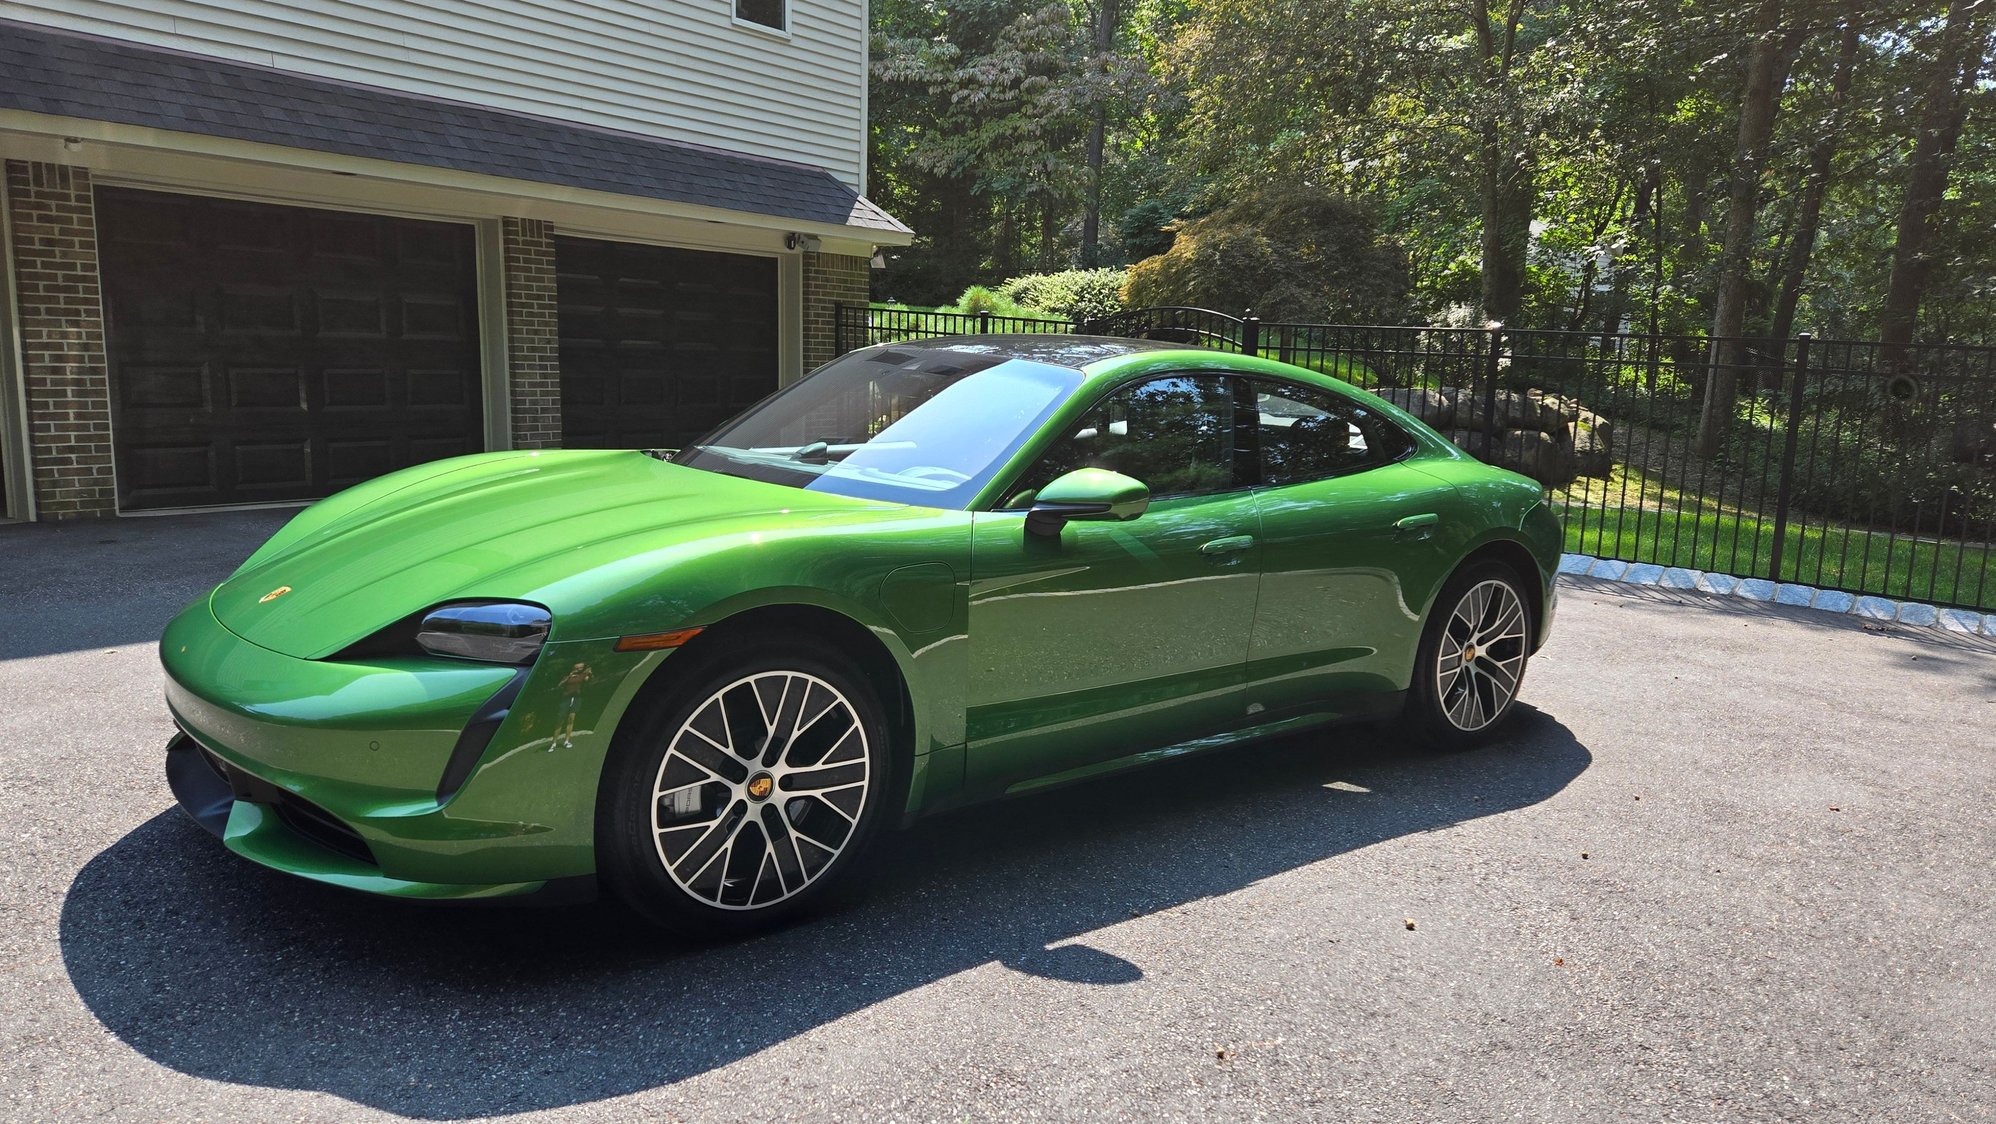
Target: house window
column 772, row 14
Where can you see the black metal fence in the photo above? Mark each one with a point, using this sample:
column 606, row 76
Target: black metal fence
column 1842, row 464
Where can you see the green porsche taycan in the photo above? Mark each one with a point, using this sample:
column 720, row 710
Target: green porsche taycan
column 927, row 574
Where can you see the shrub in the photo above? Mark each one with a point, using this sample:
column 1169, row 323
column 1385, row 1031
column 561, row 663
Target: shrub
column 978, row 299
column 1075, row 294
column 1287, row 253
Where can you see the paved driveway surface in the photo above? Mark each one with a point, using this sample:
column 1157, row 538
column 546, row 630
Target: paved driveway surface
column 1739, row 863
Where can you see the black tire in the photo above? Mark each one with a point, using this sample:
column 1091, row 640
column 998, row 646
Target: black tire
column 1439, row 713
column 648, row 842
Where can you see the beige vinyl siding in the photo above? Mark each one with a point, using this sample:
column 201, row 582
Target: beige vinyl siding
column 680, row 69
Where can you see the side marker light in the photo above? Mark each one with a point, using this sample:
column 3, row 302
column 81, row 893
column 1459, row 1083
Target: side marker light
column 656, row 641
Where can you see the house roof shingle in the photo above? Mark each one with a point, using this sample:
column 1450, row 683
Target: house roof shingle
column 84, row 76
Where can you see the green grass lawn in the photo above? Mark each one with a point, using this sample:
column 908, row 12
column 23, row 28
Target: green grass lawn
column 1638, row 518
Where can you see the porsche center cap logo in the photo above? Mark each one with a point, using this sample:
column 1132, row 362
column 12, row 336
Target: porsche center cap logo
column 760, row 785
column 273, row 594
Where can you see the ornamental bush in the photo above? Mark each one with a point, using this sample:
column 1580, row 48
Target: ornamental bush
column 1288, row 253
column 1075, row 294
column 978, row 299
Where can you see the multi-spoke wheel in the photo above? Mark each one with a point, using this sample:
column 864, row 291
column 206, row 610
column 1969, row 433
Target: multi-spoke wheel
column 1472, row 656
column 741, row 796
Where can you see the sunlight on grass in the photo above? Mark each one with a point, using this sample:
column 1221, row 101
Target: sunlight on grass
column 1742, row 544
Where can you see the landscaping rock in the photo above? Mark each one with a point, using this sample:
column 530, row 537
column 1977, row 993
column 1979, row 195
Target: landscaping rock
column 1593, row 444
column 1436, row 407
column 1538, row 455
column 1472, row 410
column 1548, row 437
column 1547, row 413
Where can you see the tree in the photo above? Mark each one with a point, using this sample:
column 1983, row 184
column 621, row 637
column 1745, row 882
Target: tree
column 1287, row 253
column 1767, row 69
column 1107, row 17
column 1958, row 59
column 1506, row 163
column 1809, row 214
column 1695, row 166
column 979, row 114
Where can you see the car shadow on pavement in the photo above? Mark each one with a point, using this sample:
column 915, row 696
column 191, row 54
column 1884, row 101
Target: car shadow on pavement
column 218, row 969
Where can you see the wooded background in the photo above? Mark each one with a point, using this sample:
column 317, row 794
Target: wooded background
column 1756, row 167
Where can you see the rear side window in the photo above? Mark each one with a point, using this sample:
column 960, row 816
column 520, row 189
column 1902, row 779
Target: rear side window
column 1308, row 433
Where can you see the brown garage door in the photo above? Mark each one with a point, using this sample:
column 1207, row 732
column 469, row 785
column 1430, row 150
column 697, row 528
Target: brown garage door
column 660, row 345
column 263, row 353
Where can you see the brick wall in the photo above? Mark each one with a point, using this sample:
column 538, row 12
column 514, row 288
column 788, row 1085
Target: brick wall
column 533, row 333
column 828, row 280
column 61, row 317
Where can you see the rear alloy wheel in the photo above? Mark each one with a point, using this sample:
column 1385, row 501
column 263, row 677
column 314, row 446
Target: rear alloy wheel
column 748, row 794
column 1472, row 657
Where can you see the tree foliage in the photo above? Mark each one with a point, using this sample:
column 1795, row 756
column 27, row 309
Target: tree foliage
column 1548, row 163
column 1294, row 254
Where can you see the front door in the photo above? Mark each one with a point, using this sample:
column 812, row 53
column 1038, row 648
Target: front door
column 1116, row 638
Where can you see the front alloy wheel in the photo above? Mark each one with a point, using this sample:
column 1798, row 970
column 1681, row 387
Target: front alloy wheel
column 736, row 800
column 760, row 790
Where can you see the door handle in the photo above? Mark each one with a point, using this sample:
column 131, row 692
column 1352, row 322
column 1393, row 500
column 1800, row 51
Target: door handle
column 1232, row 544
column 1415, row 528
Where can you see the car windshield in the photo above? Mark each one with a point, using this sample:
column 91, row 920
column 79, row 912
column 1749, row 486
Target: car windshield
column 927, row 426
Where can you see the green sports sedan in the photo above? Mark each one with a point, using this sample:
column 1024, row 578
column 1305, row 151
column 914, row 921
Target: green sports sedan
column 925, row 575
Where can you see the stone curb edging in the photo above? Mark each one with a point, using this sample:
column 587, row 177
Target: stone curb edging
column 1916, row 613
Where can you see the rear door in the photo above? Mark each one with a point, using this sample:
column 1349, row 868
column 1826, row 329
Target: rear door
column 1352, row 549
column 1117, row 638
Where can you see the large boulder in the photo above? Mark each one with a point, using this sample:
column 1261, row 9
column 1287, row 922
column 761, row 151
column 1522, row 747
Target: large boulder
column 1515, row 410
column 1548, row 437
column 1540, row 456
column 1593, row 444
column 1435, row 407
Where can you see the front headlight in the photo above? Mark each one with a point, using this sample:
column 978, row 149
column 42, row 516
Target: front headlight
column 490, row 631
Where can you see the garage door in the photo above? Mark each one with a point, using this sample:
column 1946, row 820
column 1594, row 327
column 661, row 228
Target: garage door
column 660, row 345
column 263, row 353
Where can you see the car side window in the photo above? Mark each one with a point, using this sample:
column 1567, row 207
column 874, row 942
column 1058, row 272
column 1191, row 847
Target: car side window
column 1309, row 433
column 1175, row 434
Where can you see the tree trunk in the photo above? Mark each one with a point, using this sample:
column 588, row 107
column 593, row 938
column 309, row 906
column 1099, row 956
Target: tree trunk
column 1955, row 66
column 1508, row 179
column 1507, row 232
column 1765, row 69
column 1107, row 16
column 1810, row 216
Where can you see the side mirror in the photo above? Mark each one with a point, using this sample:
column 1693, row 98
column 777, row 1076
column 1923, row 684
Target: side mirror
column 1086, row 493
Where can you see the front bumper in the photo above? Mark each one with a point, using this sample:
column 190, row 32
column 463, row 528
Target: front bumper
column 271, row 827
column 332, row 770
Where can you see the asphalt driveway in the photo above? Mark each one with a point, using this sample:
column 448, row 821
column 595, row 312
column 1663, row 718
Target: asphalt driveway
column 1737, row 863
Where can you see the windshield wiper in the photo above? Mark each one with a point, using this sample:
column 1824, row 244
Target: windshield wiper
column 817, row 452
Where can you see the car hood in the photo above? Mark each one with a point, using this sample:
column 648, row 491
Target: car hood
column 503, row 525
